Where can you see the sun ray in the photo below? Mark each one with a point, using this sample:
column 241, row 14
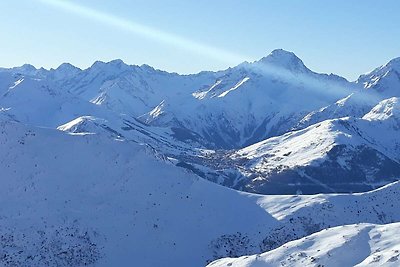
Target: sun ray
column 147, row 32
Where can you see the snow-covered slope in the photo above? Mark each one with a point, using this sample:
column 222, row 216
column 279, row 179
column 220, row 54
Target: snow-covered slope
column 353, row 105
column 130, row 89
column 40, row 102
column 301, row 216
column 88, row 199
column 387, row 110
column 350, row 245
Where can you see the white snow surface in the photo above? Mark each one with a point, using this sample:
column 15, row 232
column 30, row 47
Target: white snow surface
column 132, row 206
column 349, row 245
column 122, row 205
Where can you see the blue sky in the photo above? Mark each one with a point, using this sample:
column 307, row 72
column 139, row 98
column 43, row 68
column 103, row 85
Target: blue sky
column 346, row 37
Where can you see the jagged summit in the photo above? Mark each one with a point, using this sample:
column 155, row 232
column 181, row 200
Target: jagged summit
column 284, row 59
column 116, row 65
column 25, row 69
column 282, row 53
column 67, row 67
column 116, row 62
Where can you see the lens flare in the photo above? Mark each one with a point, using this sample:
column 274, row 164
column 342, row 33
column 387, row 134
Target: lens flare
column 146, row 31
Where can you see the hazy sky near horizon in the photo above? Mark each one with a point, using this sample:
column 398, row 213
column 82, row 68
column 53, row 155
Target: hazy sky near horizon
column 346, row 37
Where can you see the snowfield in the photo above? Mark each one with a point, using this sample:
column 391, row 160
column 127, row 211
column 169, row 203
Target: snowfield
column 349, row 245
column 119, row 203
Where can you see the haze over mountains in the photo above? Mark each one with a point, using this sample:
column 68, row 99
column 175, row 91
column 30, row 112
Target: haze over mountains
column 109, row 165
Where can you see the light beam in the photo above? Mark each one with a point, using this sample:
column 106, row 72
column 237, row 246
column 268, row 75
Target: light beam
column 146, row 31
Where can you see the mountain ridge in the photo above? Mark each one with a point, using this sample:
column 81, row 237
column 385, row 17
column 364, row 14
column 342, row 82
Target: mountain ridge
column 229, row 109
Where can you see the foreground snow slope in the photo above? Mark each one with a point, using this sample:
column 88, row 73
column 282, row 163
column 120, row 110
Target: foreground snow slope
column 88, row 199
column 350, row 245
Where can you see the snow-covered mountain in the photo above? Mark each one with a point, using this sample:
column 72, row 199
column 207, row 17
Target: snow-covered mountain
column 104, row 166
column 339, row 155
column 182, row 117
column 38, row 102
column 229, row 109
column 42, row 103
column 133, row 90
column 252, row 101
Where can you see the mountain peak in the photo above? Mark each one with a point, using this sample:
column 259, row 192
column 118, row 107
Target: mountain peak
column 67, row 67
column 284, row 59
column 282, row 53
column 26, row 68
column 394, row 64
column 116, row 64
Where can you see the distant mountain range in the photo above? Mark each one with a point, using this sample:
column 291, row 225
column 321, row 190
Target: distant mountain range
column 271, row 126
column 108, row 166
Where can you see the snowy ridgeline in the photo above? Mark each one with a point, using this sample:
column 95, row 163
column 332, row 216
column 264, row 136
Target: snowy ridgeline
column 225, row 109
column 75, row 200
column 350, row 245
